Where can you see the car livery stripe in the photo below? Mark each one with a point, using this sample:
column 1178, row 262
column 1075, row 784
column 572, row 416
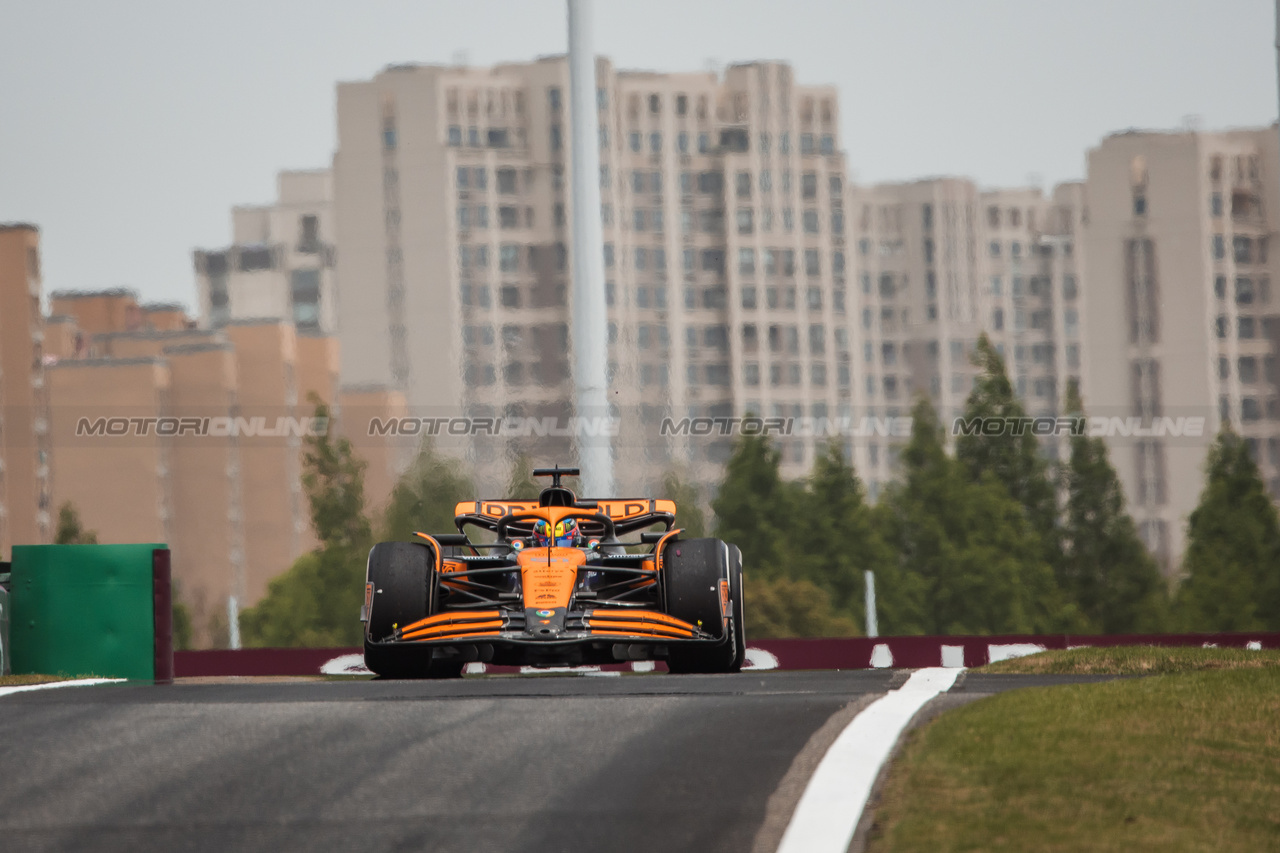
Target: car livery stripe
column 452, row 619
column 444, row 630
column 619, row 615
column 632, row 628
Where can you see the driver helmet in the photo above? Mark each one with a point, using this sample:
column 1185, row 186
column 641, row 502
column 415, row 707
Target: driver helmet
column 541, row 534
column 568, row 535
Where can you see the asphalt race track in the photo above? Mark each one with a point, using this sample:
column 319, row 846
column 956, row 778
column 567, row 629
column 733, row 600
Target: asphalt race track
column 551, row 763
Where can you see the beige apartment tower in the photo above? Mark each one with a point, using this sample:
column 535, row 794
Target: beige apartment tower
column 724, row 215
column 1181, row 320
column 24, row 428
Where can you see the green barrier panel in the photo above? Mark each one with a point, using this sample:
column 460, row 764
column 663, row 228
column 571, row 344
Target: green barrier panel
column 4, row 629
column 84, row 610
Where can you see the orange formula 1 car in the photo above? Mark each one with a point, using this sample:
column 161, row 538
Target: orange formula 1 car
column 553, row 582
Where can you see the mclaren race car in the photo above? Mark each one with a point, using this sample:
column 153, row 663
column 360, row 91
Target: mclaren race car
column 554, row 582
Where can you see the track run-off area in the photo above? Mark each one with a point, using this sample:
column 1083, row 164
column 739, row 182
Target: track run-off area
column 557, row 762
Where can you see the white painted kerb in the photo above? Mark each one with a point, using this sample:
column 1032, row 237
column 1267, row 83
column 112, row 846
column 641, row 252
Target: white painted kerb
column 80, row 682
column 832, row 803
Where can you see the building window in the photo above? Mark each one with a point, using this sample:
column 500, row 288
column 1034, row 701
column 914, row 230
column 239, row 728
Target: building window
column 1242, row 250
column 749, row 299
column 634, row 140
column 995, row 249
column 810, row 219
column 509, row 257
column 747, row 261
column 742, row 184
column 817, row 339
column 745, row 220
column 655, row 143
column 812, row 262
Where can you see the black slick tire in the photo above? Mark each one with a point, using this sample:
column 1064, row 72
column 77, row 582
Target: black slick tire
column 693, row 570
column 401, row 574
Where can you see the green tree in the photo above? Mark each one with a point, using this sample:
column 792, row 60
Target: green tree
column 70, row 531
column 688, row 498
column 792, row 607
column 754, row 508
column 1232, row 559
column 315, row 602
column 426, row 495
column 333, row 478
column 1013, row 460
column 835, row 537
column 969, row 560
column 1105, row 569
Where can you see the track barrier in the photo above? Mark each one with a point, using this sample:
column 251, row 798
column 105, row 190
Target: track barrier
column 101, row 610
column 791, row 654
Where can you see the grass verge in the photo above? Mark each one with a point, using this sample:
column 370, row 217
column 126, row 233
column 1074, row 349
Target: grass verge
column 1135, row 660
column 23, row 680
column 1168, row 763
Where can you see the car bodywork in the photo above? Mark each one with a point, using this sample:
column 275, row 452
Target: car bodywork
column 611, row 599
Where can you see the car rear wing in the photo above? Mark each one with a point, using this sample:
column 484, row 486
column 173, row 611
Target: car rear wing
column 627, row 514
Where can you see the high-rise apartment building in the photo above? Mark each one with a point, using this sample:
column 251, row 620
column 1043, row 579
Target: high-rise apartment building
column 24, row 427
column 938, row 263
column 724, row 237
column 280, row 263
column 1181, row 321
column 225, row 493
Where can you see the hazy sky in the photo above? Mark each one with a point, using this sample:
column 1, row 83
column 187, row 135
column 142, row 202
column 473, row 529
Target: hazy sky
column 129, row 129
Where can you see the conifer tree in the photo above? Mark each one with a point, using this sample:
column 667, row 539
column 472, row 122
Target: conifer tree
column 1011, row 458
column 1105, row 568
column 1232, row 560
column 969, row 560
column 835, row 537
column 754, row 508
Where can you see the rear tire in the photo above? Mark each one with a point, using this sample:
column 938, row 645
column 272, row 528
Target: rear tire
column 737, row 607
column 692, row 572
column 401, row 574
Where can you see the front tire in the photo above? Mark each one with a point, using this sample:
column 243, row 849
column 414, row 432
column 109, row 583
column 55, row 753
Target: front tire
column 692, row 572
column 401, row 574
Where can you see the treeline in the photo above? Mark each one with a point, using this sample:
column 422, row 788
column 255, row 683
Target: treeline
column 993, row 538
column 988, row 539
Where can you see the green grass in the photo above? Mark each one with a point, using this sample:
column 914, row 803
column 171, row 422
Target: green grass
column 1136, row 660
column 1168, row 763
column 23, row 680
